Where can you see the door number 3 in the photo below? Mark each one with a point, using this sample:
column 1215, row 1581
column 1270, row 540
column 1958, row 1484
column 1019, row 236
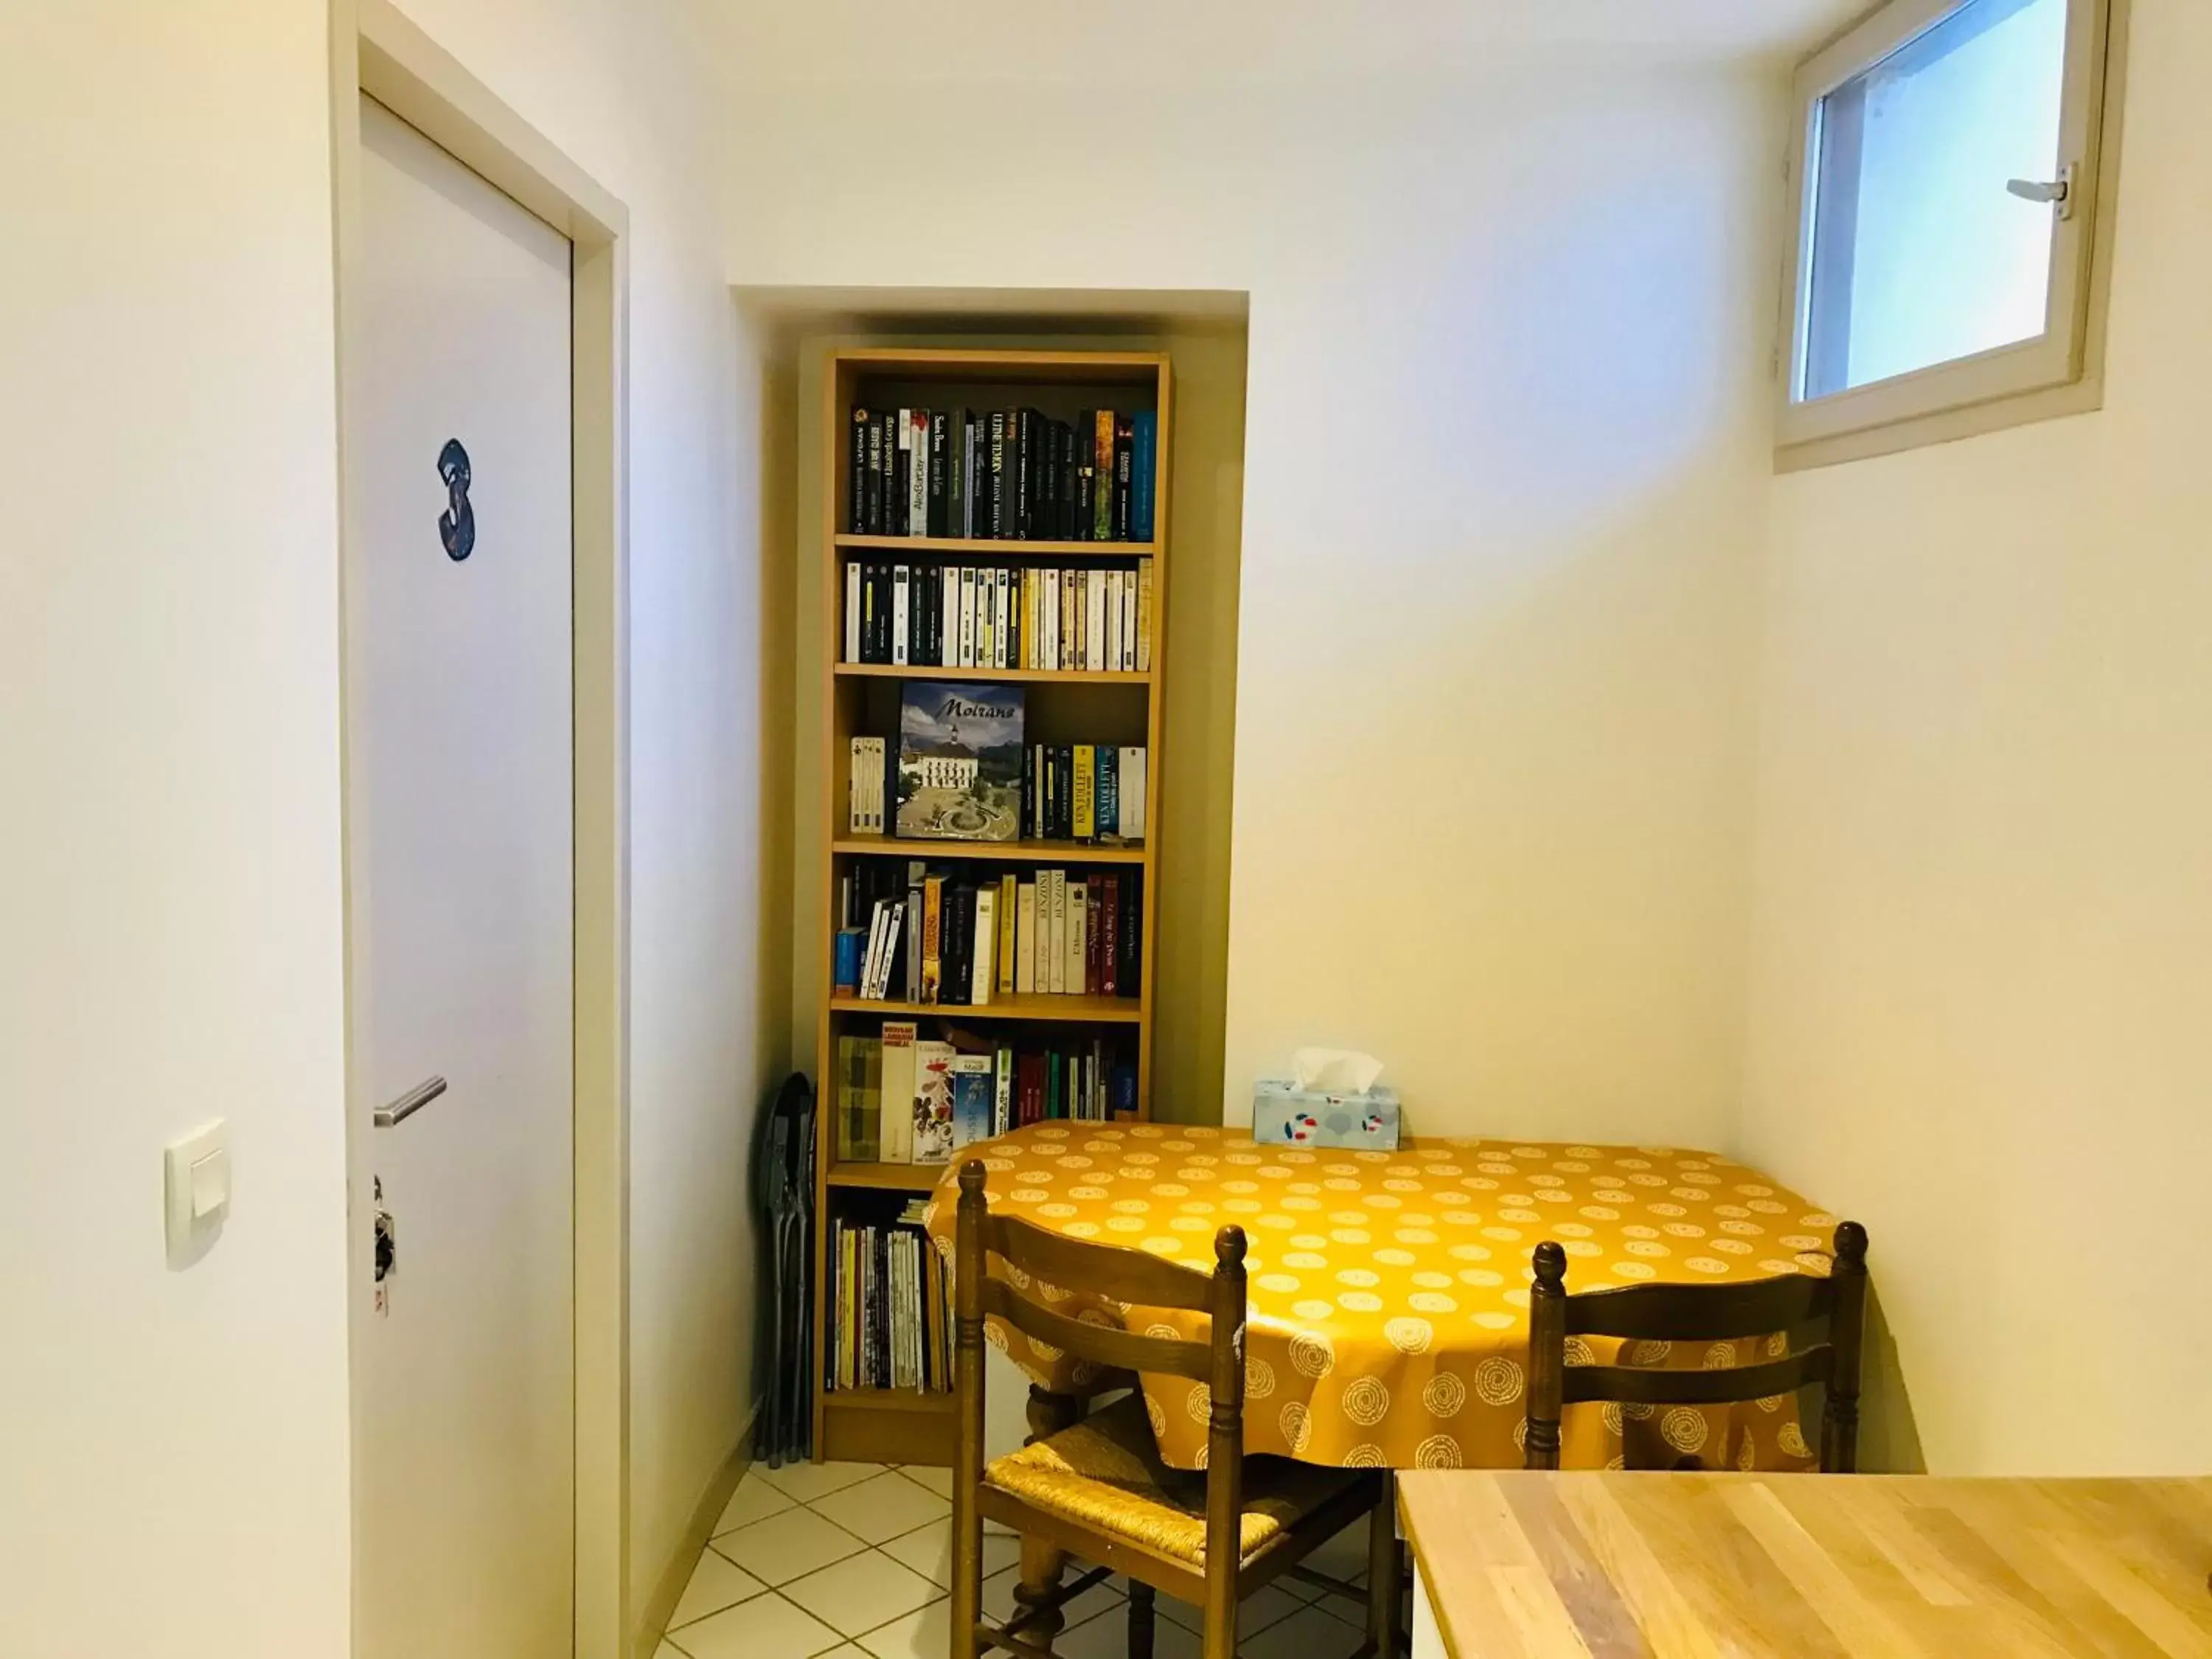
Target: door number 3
column 457, row 524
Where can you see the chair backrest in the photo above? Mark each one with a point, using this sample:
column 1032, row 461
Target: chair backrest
column 1129, row 1277
column 1700, row 1313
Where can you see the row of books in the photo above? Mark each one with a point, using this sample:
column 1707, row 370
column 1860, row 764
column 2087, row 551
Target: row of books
column 892, row 1294
column 905, row 1099
column 1006, row 475
column 1084, row 792
column 908, row 934
column 951, row 615
column 1071, row 792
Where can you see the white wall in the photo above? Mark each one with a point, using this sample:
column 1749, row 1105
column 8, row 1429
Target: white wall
column 169, row 880
column 1504, row 489
column 1983, row 929
column 169, row 883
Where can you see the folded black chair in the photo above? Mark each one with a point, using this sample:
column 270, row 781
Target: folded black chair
column 783, row 1189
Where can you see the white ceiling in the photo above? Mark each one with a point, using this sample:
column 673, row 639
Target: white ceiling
column 1178, row 41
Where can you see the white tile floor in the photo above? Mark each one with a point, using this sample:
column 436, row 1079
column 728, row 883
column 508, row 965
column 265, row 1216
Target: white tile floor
column 854, row 1561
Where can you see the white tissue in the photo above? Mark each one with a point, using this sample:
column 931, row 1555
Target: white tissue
column 1334, row 1071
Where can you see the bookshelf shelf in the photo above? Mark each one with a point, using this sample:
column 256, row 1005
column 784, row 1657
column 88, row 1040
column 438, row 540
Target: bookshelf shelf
column 997, row 551
column 891, row 1177
column 877, row 671
column 889, row 1400
column 1002, row 851
column 1054, row 390
column 1109, row 1011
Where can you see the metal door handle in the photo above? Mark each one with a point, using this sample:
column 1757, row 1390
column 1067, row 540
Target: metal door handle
column 408, row 1103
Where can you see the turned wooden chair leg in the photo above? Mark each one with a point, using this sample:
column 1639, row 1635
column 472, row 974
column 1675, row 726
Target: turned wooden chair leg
column 1140, row 1620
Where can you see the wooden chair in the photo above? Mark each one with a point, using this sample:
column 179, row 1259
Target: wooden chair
column 1700, row 1313
column 1098, row 1489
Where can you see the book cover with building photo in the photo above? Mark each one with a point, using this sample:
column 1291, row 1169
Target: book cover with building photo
column 960, row 761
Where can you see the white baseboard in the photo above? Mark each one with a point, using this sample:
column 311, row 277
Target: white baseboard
column 653, row 1618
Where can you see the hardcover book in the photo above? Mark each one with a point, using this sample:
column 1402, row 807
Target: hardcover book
column 975, row 1099
column 960, row 761
column 932, row 1103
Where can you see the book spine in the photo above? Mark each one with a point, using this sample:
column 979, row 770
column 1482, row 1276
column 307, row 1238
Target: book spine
column 1079, row 920
column 1143, row 468
column 999, row 620
column 932, row 938
column 852, row 610
column 901, row 618
column 1143, row 616
column 917, row 495
column 1064, row 436
column 983, row 952
column 1094, row 599
column 1025, row 926
column 1132, row 936
column 1020, row 420
column 1048, row 619
column 997, row 459
column 968, row 615
column 971, row 438
column 872, row 475
column 1132, row 789
column 899, row 509
column 1101, row 488
column 1106, row 794
column 1129, row 624
column 1008, row 898
column 856, row 478
column 1113, row 620
column 1086, row 797
column 917, row 877
column 941, row 481
column 1109, row 945
column 1124, row 440
column 1094, row 934
column 1002, row 1107
column 1052, row 898
column 948, row 618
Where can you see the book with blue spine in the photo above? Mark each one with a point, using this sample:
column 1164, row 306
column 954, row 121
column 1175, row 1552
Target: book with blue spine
column 975, row 1098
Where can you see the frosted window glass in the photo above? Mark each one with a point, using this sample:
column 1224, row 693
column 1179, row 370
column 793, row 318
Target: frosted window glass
column 1919, row 254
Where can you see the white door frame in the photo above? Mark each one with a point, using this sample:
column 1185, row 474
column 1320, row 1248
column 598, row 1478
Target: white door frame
column 376, row 50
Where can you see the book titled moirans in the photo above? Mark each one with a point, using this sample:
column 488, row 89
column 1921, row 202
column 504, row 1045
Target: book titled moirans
column 960, row 761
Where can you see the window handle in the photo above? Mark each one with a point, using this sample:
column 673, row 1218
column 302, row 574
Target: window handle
column 2059, row 190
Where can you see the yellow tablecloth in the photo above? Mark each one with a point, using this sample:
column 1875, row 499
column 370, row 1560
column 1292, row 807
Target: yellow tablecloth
column 1388, row 1296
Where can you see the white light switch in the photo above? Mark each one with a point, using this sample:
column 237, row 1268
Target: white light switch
column 198, row 1184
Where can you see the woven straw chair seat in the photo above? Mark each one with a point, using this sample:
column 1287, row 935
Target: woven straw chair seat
column 1105, row 1473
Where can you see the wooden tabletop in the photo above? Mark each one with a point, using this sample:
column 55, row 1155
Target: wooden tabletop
column 1670, row 1565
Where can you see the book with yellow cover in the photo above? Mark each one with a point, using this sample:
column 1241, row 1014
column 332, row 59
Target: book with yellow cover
column 1085, row 796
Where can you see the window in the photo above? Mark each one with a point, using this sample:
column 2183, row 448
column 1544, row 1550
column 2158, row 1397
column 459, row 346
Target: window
column 1948, row 186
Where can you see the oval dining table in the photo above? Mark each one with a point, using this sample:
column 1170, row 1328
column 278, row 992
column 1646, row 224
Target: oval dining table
column 1388, row 1321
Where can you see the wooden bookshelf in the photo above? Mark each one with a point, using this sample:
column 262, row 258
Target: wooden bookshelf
column 998, row 852
column 905, row 1427
column 998, row 552
column 877, row 671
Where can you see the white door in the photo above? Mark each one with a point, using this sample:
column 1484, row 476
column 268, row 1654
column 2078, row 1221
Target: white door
column 459, row 776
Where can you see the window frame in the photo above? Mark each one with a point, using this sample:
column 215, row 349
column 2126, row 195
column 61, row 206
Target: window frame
column 2058, row 371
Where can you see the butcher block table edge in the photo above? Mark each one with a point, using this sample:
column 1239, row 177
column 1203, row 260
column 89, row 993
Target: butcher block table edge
column 2182, row 1606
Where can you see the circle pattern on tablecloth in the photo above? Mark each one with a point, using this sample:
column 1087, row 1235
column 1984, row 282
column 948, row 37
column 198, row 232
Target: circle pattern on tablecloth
column 1367, row 1401
column 1388, row 1292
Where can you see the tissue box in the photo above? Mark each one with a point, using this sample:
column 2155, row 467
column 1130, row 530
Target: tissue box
column 1284, row 1114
